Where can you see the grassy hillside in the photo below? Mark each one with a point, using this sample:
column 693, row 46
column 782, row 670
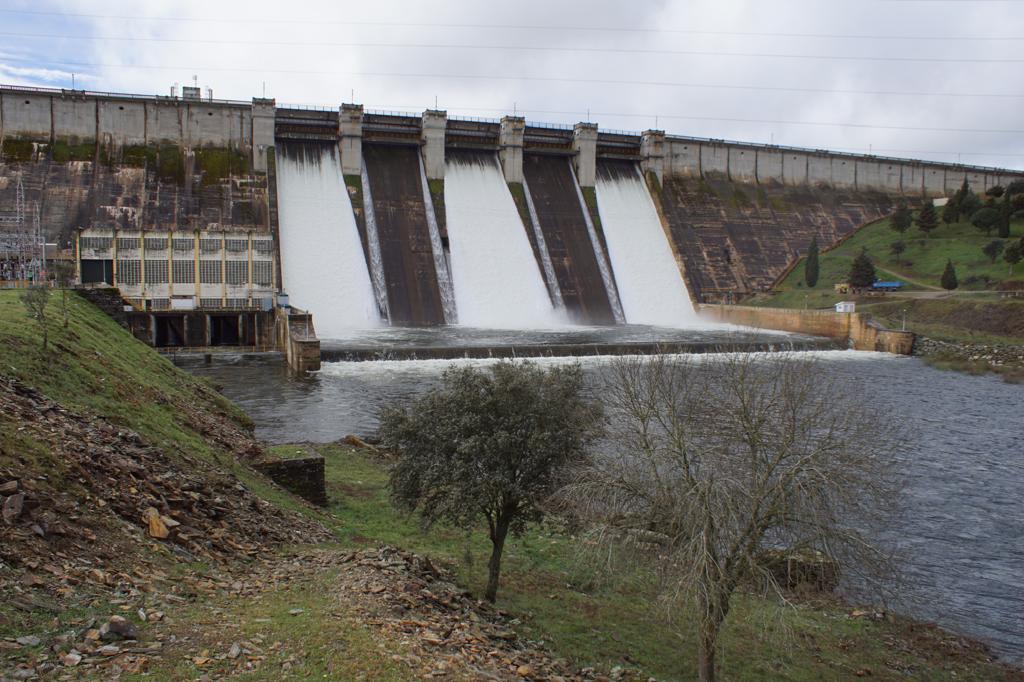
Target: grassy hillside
column 94, row 431
column 919, row 267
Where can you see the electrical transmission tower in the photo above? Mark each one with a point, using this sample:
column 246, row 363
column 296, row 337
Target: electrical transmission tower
column 22, row 247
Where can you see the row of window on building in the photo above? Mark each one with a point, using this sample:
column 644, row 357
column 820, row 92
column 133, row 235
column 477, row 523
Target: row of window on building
column 263, row 247
column 129, row 272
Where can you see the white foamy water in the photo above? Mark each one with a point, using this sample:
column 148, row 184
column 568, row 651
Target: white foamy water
column 495, row 275
column 322, row 260
column 651, row 288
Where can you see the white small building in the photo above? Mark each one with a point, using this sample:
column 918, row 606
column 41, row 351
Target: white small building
column 846, row 307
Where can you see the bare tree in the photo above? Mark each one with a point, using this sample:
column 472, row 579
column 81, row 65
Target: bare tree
column 716, row 466
column 64, row 274
column 35, row 299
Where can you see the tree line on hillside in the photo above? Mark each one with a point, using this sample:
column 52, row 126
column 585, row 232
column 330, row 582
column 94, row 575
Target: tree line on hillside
column 706, row 475
column 995, row 212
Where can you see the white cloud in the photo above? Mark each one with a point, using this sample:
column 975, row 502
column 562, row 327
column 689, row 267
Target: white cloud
column 229, row 52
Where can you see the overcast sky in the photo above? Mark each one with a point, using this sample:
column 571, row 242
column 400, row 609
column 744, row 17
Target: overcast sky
column 812, row 73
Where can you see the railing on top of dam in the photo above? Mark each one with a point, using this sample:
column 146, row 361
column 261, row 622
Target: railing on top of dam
column 829, row 152
column 67, row 92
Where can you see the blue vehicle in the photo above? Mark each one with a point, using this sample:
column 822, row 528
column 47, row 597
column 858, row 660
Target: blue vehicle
column 879, row 285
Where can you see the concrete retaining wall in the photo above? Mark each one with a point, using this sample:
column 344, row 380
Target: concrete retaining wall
column 744, row 162
column 858, row 328
column 794, row 168
column 303, row 476
column 78, row 117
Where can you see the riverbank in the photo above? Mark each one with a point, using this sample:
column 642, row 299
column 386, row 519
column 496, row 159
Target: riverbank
column 229, row 574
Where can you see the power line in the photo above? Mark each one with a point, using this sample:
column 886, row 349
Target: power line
column 517, row 27
column 527, row 78
column 522, row 48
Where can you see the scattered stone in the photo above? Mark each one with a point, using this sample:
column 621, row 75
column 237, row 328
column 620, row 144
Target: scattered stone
column 157, row 527
column 524, row 671
column 9, row 488
column 109, row 650
column 12, row 507
column 118, row 628
column 28, row 640
column 296, row 612
column 71, row 659
column 235, row 651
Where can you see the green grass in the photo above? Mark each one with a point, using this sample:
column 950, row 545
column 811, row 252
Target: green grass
column 594, row 621
column 919, row 267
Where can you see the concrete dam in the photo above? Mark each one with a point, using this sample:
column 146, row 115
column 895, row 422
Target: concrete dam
column 374, row 219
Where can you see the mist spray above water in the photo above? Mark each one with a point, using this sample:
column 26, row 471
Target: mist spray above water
column 651, row 287
column 322, row 260
column 496, row 278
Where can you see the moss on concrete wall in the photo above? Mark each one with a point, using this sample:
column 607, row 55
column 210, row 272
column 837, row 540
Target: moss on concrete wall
column 62, row 152
column 18, row 151
column 215, row 165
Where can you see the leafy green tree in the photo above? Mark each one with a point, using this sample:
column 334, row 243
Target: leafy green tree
column 1014, row 253
column 811, row 268
column 489, row 443
column 902, row 218
column 970, row 204
column 985, row 219
column 897, row 248
column 35, row 300
column 949, row 280
column 993, row 249
column 1014, row 188
column 862, row 271
column 995, row 191
column 927, row 220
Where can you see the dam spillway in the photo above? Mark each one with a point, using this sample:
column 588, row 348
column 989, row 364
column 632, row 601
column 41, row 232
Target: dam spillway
column 650, row 285
column 496, row 277
column 322, row 259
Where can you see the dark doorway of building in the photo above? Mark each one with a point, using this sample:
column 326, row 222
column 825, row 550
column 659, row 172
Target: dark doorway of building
column 169, row 331
column 224, row 330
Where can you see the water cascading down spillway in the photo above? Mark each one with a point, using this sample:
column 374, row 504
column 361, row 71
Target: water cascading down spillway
column 322, row 261
column 650, row 285
column 495, row 275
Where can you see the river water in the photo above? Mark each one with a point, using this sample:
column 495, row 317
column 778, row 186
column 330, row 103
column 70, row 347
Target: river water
column 962, row 524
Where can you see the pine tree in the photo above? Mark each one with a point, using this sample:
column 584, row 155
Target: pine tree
column 951, row 212
column 927, row 220
column 1005, row 211
column 901, row 218
column 811, row 269
column 862, row 271
column 949, row 281
column 1014, row 253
